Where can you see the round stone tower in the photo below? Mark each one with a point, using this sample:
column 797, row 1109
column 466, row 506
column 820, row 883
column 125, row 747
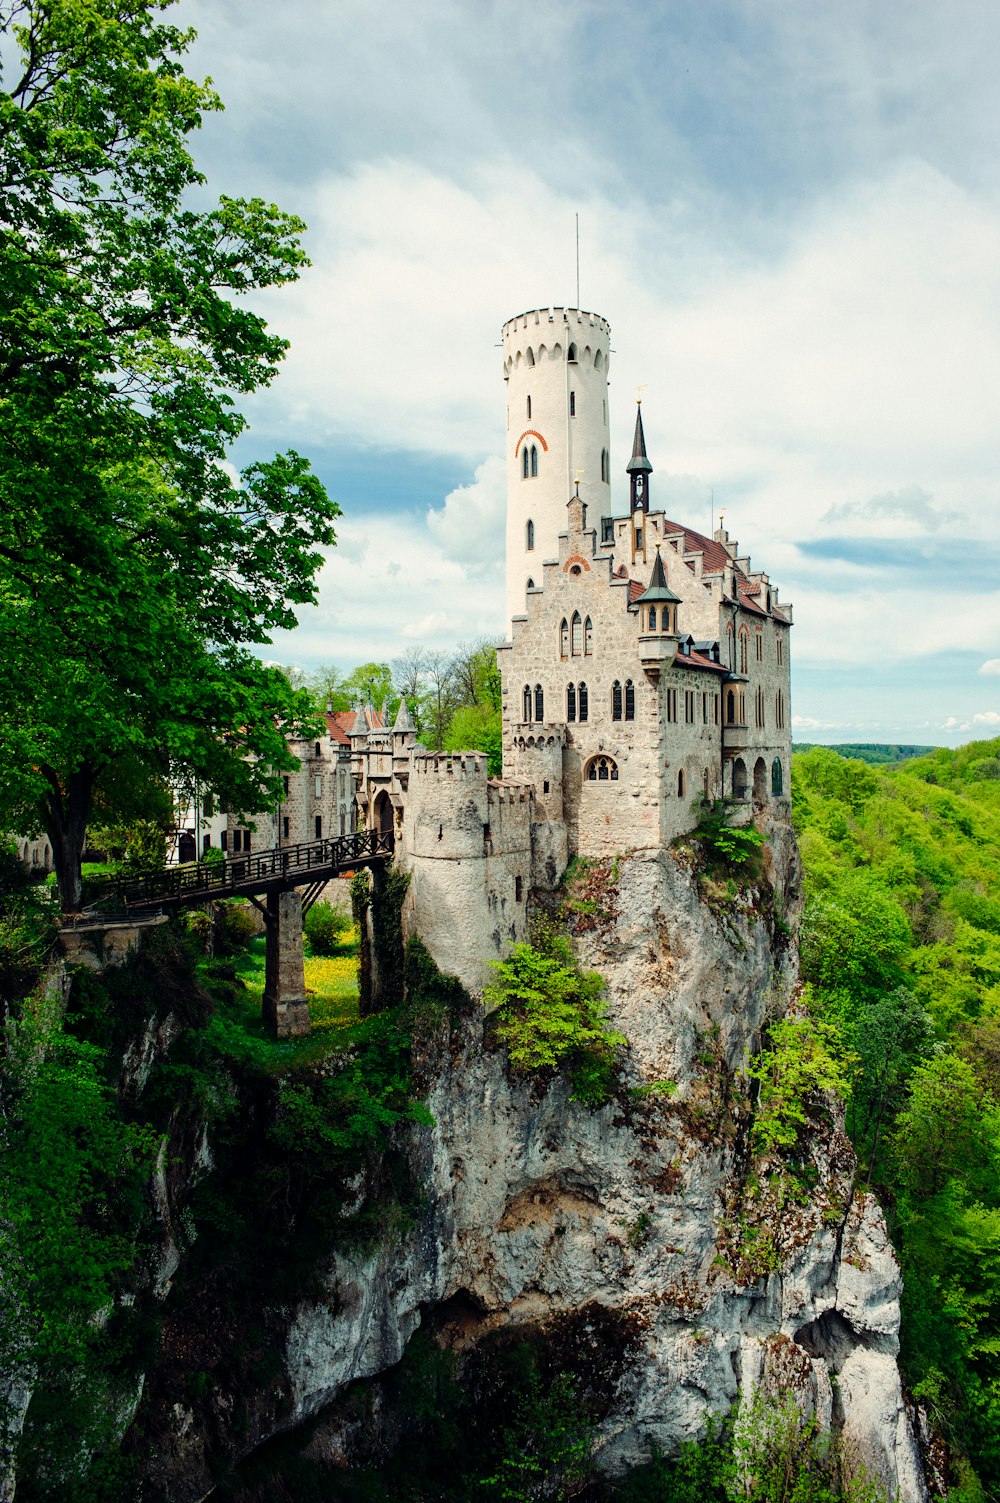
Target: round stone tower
column 555, row 365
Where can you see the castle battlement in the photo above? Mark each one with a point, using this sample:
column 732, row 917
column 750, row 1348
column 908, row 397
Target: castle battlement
column 509, row 791
column 556, row 314
column 469, row 766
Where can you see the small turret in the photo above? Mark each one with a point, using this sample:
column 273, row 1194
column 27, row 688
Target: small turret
column 639, row 470
column 658, row 621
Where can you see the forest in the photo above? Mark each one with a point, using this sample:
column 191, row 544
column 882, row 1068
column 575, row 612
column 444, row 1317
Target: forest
column 901, row 945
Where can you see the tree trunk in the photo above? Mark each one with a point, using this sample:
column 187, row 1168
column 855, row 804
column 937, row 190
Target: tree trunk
column 65, row 811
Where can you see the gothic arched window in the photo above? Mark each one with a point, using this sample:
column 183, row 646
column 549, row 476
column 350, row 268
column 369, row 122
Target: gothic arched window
column 776, row 778
column 529, row 535
column 525, row 460
column 534, row 460
column 584, row 701
column 602, row 770
column 588, row 637
column 571, row 354
column 629, row 700
column 539, row 703
column 652, row 618
column 680, row 783
column 530, row 357
column 616, row 700
column 577, row 634
column 530, row 585
column 526, row 702
column 730, row 707
column 744, row 645
column 570, row 701
column 564, row 638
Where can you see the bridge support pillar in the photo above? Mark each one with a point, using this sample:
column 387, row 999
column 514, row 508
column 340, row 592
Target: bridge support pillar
column 286, row 1010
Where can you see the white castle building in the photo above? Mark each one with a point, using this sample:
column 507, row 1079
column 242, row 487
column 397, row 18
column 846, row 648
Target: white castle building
column 647, row 664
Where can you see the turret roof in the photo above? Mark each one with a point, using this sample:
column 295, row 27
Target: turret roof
column 658, row 587
column 404, row 720
column 640, row 459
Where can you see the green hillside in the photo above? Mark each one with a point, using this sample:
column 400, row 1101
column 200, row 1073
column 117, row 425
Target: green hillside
column 901, row 942
column 878, row 753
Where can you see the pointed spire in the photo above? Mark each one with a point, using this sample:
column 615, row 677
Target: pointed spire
column 658, row 587
column 640, row 459
column 404, row 720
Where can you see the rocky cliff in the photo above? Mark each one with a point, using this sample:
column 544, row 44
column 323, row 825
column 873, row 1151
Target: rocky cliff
column 642, row 1235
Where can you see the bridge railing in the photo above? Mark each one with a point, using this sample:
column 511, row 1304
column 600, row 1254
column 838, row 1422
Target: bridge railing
column 242, row 873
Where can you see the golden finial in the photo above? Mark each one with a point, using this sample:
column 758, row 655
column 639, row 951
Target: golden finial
column 638, row 393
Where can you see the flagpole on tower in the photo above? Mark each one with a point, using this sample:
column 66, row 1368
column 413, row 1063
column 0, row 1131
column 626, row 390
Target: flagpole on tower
column 578, row 260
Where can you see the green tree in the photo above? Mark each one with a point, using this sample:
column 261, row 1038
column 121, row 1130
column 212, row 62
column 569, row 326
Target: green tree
column 135, row 574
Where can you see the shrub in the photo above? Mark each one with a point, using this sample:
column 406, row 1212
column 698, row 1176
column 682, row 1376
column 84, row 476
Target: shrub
column 724, row 846
column 805, row 1056
column 325, row 926
column 235, row 926
column 549, row 1015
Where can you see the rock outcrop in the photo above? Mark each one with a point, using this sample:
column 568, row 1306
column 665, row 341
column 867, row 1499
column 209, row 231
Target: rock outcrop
column 648, row 1210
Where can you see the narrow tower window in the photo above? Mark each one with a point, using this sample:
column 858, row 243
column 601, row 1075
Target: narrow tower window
column 629, row 700
column 529, row 409
column 588, row 637
column 571, row 354
column 570, row 701
column 577, row 628
column 572, row 404
column 652, row 618
column 583, row 701
column 529, row 536
column 524, row 462
column 526, row 702
column 534, row 461
column 539, row 703
column 680, row 783
column 616, row 700
column 564, row 638
column 530, row 585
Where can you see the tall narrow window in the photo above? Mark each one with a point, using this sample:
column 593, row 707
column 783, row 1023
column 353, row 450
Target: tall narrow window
column 744, row 639
column 604, row 466
column 616, row 700
column 730, row 707
column 758, row 643
column 571, row 354
column 539, row 703
column 525, row 460
column 629, row 699
column 776, row 779
column 564, row 638
column 584, row 701
column 285, row 827
column 572, row 404
column 571, row 701
column 680, row 783
column 529, row 409
column 577, row 629
column 588, row 637
column 534, row 460
column 672, row 704
column 779, row 644
column 529, row 536
column 526, row 702
column 319, row 827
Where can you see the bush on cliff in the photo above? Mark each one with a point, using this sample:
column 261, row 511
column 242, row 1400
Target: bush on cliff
column 550, row 1016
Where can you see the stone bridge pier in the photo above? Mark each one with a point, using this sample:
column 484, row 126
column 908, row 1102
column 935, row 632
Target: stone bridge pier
column 286, row 1009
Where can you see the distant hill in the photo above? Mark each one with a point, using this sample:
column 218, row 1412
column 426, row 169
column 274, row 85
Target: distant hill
column 871, row 751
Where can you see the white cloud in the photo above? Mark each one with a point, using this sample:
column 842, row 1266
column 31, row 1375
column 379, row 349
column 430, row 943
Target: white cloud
column 469, row 526
column 808, row 723
column 985, row 717
column 389, row 583
column 991, row 668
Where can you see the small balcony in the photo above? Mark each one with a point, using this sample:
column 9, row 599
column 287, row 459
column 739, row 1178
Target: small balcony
column 657, row 652
column 734, row 737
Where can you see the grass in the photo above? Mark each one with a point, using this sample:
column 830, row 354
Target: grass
column 332, row 989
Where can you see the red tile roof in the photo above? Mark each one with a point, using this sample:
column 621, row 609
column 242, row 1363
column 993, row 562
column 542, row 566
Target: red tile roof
column 698, row 660
column 635, row 589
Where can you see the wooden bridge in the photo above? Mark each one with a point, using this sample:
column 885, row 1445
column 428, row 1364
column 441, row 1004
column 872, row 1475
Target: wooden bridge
column 289, row 879
column 310, row 865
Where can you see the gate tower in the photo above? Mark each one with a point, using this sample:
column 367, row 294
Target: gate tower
column 555, row 365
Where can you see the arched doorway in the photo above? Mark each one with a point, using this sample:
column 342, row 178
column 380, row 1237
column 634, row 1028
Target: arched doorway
column 760, row 781
column 739, row 778
column 383, row 813
column 187, row 850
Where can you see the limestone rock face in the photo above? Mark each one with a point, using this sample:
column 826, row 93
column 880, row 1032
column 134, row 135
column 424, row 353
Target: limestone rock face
column 539, row 1208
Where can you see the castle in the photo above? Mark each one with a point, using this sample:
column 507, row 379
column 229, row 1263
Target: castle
column 646, row 664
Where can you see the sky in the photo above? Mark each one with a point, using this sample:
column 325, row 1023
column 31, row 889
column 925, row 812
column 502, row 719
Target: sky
column 790, row 215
